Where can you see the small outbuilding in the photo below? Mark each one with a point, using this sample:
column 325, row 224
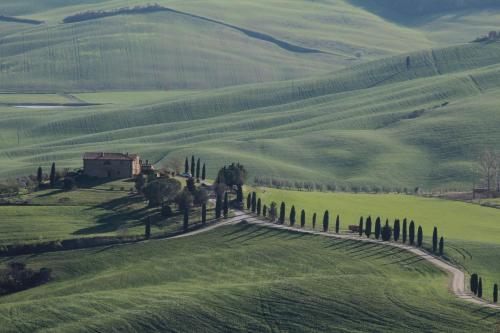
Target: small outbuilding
column 111, row 165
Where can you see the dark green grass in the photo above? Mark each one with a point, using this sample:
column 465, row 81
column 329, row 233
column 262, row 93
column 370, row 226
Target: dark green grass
column 241, row 278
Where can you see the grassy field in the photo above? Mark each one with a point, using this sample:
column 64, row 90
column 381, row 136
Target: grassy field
column 149, row 52
column 471, row 232
column 240, row 278
column 107, row 209
column 379, row 123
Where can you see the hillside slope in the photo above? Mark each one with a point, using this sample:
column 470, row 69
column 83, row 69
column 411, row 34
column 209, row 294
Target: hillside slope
column 380, row 123
column 240, row 278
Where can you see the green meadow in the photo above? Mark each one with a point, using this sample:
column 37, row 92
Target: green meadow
column 240, row 278
column 471, row 232
column 107, row 209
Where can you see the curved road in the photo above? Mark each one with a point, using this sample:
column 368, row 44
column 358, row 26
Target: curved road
column 458, row 282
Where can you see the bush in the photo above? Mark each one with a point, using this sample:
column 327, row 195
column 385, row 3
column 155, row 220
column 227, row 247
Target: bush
column 17, row 277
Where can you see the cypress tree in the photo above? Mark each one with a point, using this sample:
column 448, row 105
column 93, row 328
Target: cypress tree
column 326, row 221
column 147, row 231
column 378, row 228
column 292, row 216
column 337, row 224
column 441, row 246
column 249, row 201
column 186, row 165
column 420, row 236
column 226, row 205
column 186, row 219
column 360, row 227
column 259, row 206
column 480, row 288
column 495, row 293
column 264, row 211
column 411, row 233
column 204, row 213
column 39, row 175
column 239, row 194
column 474, row 280
column 386, row 232
column 302, row 219
column 435, row 240
column 203, row 172
column 193, row 165
column 314, row 221
column 53, row 175
column 397, row 230
column 198, row 169
column 405, row 230
column 368, row 227
column 218, row 206
column 254, row 202
column 282, row 213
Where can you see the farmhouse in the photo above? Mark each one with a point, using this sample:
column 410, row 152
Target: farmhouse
column 111, row 165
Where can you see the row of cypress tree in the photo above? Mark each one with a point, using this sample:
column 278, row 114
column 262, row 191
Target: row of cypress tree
column 406, row 233
column 52, row 175
column 476, row 286
column 254, row 205
column 194, row 168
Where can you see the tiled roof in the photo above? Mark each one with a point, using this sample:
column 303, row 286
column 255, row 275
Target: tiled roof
column 109, row 156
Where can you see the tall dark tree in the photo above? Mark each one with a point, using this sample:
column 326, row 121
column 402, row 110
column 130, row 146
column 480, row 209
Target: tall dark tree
column 411, row 233
column 225, row 206
column 264, row 211
column 420, row 236
column 52, row 177
column 386, row 232
column 259, row 206
column 441, row 246
column 186, row 165
column 495, row 293
column 292, row 216
column 480, row 288
column 361, row 227
column 302, row 218
column 378, row 228
column 193, row 166
column 203, row 172
column 315, row 216
column 185, row 223
column 474, row 281
column 147, row 231
column 39, row 175
column 198, row 166
column 204, row 213
column 254, row 202
column 337, row 224
column 368, row 227
column 435, row 240
column 405, row 230
column 397, row 230
column 326, row 221
column 249, row 201
column 218, row 206
column 282, row 213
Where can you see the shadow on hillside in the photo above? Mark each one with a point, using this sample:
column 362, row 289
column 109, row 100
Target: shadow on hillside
column 118, row 215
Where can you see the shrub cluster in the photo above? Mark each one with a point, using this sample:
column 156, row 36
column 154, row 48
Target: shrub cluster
column 17, row 277
column 92, row 15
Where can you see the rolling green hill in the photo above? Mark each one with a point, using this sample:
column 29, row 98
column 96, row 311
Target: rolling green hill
column 380, row 123
column 240, row 278
column 205, row 46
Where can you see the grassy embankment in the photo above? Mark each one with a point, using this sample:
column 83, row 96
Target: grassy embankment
column 471, row 232
column 240, row 278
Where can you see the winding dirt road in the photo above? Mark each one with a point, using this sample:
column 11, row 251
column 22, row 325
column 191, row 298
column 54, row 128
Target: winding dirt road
column 457, row 283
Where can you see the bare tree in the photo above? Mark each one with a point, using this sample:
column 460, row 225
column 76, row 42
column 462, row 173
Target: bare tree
column 488, row 167
column 176, row 163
